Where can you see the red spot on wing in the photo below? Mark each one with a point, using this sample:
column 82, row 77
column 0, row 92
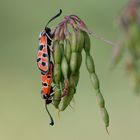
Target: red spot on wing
column 46, row 90
column 45, row 50
column 43, row 40
column 44, row 59
column 39, row 53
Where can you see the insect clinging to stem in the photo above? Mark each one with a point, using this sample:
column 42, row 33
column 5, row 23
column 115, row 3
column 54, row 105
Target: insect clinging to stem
column 47, row 91
column 45, row 65
column 43, row 54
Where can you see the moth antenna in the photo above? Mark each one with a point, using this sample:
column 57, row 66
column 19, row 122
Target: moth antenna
column 57, row 15
column 52, row 122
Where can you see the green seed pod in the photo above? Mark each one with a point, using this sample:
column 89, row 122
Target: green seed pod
column 65, row 68
column 62, row 81
column 67, row 99
column 86, row 42
column 57, row 96
column 79, row 55
column 68, row 50
column 57, row 73
column 74, row 62
column 74, row 78
column 57, row 52
column 100, row 99
column 94, row 80
column 73, row 41
column 77, row 76
column 80, row 40
column 105, row 116
column 90, row 63
column 61, row 44
column 65, row 88
column 73, row 81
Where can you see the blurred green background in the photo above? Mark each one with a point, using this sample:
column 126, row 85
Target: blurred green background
column 22, row 112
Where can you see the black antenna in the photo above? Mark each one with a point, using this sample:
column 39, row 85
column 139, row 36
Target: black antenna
column 52, row 122
column 54, row 18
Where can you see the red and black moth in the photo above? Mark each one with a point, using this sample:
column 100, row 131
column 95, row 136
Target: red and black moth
column 45, row 65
